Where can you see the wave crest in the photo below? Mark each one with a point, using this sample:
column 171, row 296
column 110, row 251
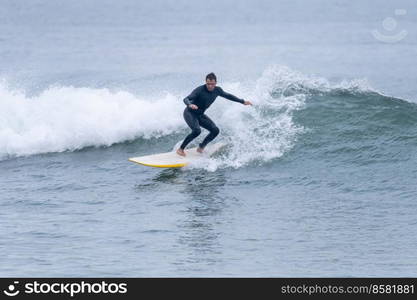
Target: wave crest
column 69, row 118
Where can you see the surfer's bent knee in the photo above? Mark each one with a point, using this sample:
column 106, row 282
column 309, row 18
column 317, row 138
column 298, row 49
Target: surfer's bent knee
column 196, row 131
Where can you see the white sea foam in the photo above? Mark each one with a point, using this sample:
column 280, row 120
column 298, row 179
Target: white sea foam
column 68, row 118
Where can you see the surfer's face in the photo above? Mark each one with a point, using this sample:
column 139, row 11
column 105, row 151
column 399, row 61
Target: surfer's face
column 210, row 84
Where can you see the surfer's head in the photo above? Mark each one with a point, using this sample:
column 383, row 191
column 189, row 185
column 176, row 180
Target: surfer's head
column 211, row 81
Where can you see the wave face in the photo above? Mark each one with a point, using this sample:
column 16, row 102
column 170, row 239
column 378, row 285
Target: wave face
column 290, row 109
column 351, row 124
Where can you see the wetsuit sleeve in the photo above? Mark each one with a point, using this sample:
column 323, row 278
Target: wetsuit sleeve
column 189, row 99
column 230, row 96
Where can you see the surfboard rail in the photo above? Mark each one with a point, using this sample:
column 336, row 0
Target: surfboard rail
column 158, row 166
column 173, row 160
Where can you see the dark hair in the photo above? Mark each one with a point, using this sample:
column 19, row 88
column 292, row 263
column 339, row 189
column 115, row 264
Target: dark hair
column 211, row 76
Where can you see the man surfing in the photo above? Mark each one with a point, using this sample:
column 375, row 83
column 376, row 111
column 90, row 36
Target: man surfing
column 197, row 102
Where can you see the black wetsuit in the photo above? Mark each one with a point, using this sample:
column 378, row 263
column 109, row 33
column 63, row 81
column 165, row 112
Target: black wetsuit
column 195, row 118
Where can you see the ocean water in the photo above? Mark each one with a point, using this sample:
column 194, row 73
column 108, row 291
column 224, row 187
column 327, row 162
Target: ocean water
column 318, row 178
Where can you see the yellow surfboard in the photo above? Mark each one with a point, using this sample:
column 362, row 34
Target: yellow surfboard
column 173, row 160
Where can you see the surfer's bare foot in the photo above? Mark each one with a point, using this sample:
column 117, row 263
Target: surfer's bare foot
column 181, row 152
column 200, row 150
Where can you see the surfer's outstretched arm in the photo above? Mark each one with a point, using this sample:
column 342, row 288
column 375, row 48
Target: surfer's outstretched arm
column 230, row 96
column 233, row 97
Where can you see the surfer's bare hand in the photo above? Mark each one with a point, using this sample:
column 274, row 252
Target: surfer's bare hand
column 193, row 106
column 247, row 103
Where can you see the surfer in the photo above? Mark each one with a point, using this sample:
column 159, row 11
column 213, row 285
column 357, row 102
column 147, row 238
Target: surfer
column 197, row 102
